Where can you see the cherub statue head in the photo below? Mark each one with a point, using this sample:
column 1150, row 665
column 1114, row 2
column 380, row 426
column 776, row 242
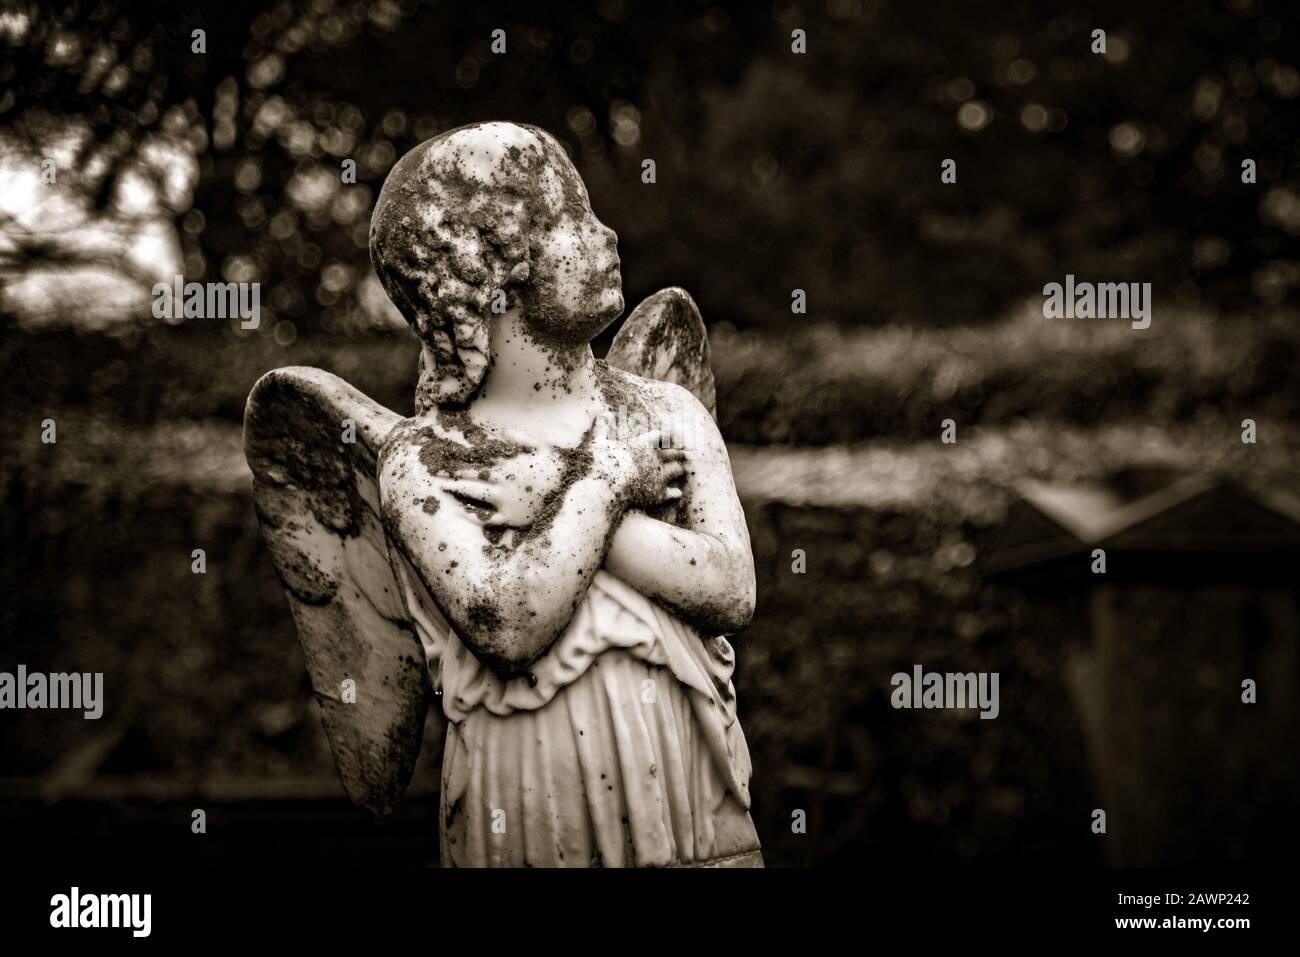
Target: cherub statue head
column 480, row 220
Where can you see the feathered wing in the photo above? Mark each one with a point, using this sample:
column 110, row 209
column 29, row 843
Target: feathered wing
column 664, row 338
column 317, row 500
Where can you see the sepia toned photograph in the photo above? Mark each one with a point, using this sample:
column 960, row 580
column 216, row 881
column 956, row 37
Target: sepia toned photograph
column 830, row 436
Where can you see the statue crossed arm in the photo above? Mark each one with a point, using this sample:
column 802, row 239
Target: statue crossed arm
column 509, row 550
column 564, row 580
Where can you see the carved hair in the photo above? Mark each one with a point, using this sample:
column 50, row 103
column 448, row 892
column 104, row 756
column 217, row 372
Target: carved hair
column 451, row 228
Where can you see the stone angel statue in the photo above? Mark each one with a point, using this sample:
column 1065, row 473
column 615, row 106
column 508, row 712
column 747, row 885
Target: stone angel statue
column 551, row 548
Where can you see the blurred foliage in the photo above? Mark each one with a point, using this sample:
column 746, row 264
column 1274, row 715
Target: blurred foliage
column 835, row 385
column 843, row 385
column 775, row 170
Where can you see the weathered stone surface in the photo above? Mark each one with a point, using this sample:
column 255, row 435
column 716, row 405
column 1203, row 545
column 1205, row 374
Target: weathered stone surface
column 665, row 339
column 505, row 546
column 317, row 502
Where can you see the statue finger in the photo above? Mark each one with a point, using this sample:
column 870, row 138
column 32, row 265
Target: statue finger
column 474, row 490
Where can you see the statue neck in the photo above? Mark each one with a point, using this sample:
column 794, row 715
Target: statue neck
column 525, row 371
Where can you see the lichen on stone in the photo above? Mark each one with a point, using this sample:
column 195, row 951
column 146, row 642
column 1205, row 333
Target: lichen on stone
column 458, row 219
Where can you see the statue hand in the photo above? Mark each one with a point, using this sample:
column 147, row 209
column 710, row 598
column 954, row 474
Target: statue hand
column 513, row 491
column 640, row 469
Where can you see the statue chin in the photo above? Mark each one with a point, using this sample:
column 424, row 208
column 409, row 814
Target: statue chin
column 578, row 328
column 610, row 307
column 607, row 315
column 602, row 321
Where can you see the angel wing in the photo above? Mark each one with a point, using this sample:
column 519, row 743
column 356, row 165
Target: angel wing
column 312, row 441
column 664, row 338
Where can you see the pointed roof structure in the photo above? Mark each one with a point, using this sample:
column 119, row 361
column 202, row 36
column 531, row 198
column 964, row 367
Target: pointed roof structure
column 1184, row 517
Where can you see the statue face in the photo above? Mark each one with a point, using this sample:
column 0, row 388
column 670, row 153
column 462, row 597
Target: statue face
column 486, row 208
column 575, row 287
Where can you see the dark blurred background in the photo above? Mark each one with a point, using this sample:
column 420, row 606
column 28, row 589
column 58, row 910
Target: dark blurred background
column 775, row 171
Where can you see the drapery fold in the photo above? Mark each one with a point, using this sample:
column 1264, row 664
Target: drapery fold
column 620, row 747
